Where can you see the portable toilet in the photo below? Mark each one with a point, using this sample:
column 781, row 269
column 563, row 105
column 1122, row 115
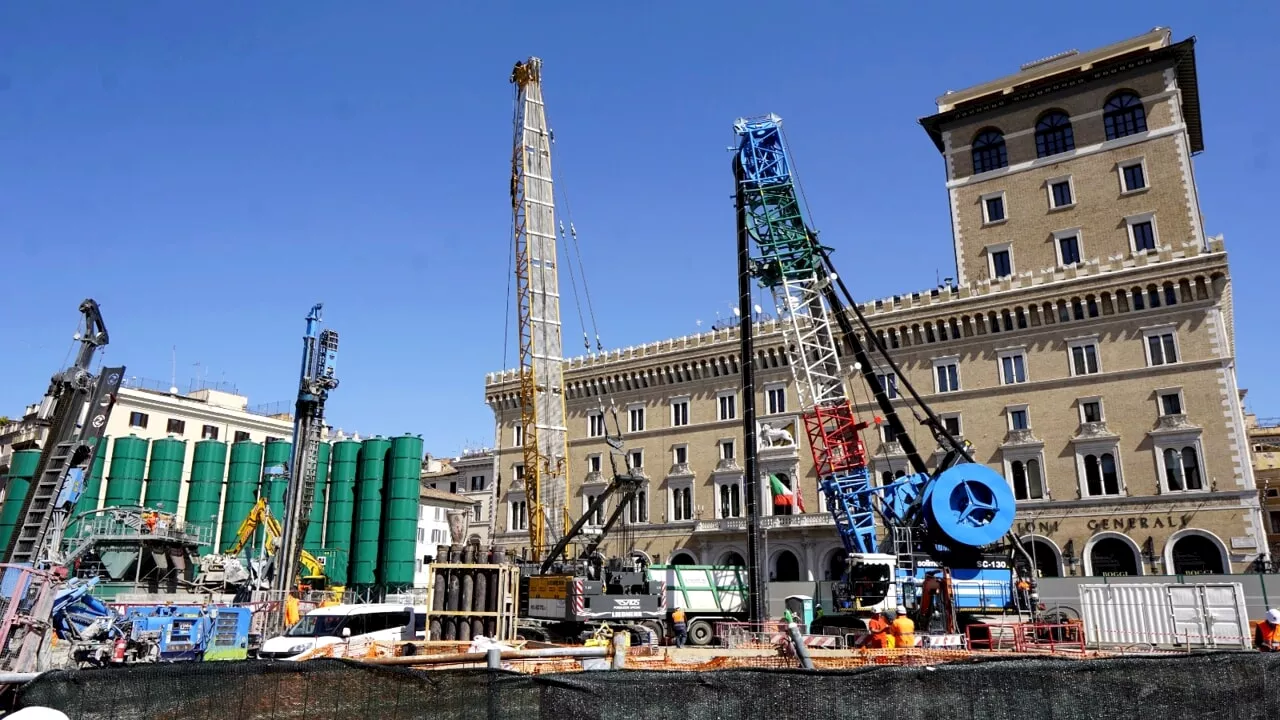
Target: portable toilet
column 801, row 607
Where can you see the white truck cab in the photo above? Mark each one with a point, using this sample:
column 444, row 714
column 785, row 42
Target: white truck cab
column 387, row 622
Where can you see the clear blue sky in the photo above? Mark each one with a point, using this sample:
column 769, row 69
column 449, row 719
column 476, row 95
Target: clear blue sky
column 207, row 171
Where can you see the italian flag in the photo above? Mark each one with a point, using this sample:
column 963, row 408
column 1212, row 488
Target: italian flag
column 783, row 496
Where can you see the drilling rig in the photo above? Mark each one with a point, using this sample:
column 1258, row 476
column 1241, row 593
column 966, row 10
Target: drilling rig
column 319, row 355
column 75, row 409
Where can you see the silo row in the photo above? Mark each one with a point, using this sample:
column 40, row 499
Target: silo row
column 364, row 518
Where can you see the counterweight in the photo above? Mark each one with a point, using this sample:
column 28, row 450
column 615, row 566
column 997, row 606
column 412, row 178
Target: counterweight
column 542, row 412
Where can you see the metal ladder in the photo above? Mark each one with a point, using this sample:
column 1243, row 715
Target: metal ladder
column 40, row 507
column 903, row 549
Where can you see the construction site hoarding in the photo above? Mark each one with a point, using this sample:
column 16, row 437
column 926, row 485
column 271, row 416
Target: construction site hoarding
column 164, row 474
column 124, row 476
column 314, row 540
column 22, row 468
column 400, row 517
column 208, row 468
column 242, row 488
column 370, row 473
column 341, row 506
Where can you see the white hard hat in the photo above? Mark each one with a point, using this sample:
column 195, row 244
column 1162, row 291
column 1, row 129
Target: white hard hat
column 36, row 712
column 1273, row 616
column 902, row 610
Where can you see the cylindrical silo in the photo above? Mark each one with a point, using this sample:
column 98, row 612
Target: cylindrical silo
column 164, row 474
column 208, row 467
column 88, row 501
column 314, row 541
column 400, row 519
column 124, row 477
column 22, row 468
column 275, row 475
column 370, row 473
column 341, row 501
column 242, row 489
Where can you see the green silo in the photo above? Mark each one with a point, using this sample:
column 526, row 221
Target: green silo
column 314, row 541
column 242, row 489
column 370, row 473
column 92, row 488
column 341, row 499
column 124, row 477
column 22, row 467
column 275, row 480
column 208, row 467
column 164, row 474
column 400, row 519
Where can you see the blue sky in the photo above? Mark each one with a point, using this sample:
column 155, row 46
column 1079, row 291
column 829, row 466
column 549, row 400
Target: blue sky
column 208, row 171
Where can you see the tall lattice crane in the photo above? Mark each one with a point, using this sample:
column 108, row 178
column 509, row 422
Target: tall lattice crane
column 542, row 411
column 319, row 355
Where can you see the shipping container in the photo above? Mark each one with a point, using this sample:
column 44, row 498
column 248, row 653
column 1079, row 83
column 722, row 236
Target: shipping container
column 1191, row 615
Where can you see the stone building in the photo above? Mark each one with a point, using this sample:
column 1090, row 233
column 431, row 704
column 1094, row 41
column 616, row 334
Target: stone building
column 1087, row 350
column 1264, row 442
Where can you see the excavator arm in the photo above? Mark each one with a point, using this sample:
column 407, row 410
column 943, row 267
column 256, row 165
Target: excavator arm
column 250, row 523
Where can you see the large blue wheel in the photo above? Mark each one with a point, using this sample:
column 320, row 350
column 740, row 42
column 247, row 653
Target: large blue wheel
column 971, row 504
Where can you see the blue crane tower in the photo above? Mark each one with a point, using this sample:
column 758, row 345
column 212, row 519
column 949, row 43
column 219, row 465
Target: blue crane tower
column 944, row 552
column 317, row 379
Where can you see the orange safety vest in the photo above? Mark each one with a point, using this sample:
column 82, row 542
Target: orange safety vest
column 1267, row 636
column 880, row 637
column 677, row 616
column 904, row 631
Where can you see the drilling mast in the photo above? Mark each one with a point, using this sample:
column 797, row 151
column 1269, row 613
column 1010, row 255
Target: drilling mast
column 319, row 354
column 542, row 410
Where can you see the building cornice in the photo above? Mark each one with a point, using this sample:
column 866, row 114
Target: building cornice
column 196, row 410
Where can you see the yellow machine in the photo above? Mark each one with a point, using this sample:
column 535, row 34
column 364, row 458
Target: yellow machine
column 312, row 574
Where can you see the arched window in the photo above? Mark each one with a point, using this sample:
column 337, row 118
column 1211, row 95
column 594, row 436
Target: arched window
column 638, row 508
column 1124, row 115
column 786, row 567
column 1100, row 475
column 1196, row 555
column 989, row 151
column 730, row 501
column 1113, row 557
column 1045, row 558
column 1182, row 469
column 683, row 558
column 1053, row 134
column 1027, row 483
column 733, row 559
column 836, row 565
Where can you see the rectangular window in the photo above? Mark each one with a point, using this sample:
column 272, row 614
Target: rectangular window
column 889, row 383
column 946, row 377
column 453, row 486
column 951, row 423
column 595, row 425
column 1162, row 348
column 1091, row 411
column 477, row 483
column 728, row 407
column 1133, row 177
column 593, row 463
column 517, row 436
column 636, row 415
column 1069, row 249
column 1018, row 419
column 518, row 469
column 1142, row 232
column 209, row 432
column 241, row 436
column 637, row 459
column 680, row 454
column 1013, row 368
column 1001, row 264
column 1084, row 358
column 726, row 449
column 1171, row 403
column 776, row 400
column 137, row 420
column 679, row 413
column 175, row 427
column 993, row 208
column 1060, row 194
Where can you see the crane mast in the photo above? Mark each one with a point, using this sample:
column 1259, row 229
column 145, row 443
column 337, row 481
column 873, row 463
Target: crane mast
column 319, row 355
column 542, row 409
column 944, row 523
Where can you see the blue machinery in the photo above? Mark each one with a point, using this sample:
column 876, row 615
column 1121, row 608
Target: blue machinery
column 946, row 525
column 319, row 356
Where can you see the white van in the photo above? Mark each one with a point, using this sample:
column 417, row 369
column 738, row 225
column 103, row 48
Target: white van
column 336, row 624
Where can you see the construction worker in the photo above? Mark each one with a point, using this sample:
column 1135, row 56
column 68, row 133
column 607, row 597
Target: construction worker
column 678, row 626
column 291, row 614
column 880, row 637
column 1023, row 596
column 1266, row 637
column 903, row 629
column 817, row 614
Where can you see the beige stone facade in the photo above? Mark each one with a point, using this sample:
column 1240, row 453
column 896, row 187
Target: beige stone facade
column 1097, row 375
column 1264, row 442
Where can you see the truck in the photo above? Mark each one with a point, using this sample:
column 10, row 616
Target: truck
column 708, row 594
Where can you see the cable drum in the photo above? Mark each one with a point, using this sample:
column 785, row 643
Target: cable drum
column 970, row 504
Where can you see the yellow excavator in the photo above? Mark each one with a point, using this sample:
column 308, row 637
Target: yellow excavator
column 312, row 575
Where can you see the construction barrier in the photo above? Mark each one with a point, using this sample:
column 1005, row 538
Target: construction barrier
column 1220, row 684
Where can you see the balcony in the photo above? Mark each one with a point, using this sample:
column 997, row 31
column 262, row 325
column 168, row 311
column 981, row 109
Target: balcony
column 770, row 522
column 1174, row 423
column 1021, row 438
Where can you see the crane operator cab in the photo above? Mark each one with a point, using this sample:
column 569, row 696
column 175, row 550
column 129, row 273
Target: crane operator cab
column 869, row 585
